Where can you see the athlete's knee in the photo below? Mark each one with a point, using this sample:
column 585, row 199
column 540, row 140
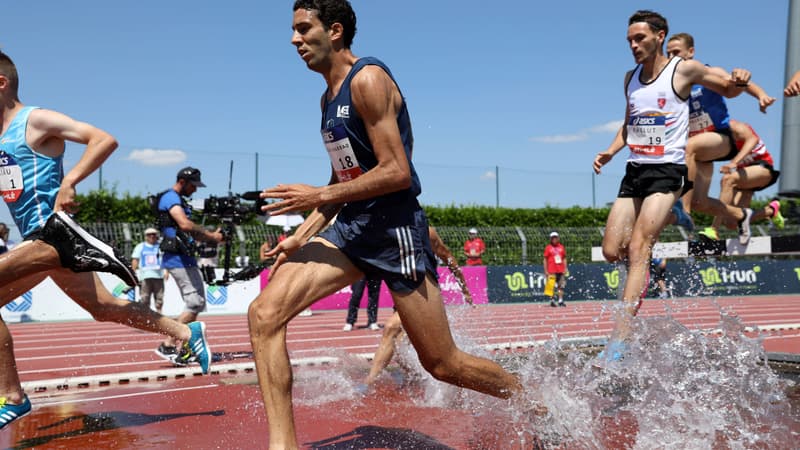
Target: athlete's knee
column 447, row 368
column 613, row 253
column 265, row 317
column 639, row 248
column 729, row 181
column 699, row 202
column 393, row 327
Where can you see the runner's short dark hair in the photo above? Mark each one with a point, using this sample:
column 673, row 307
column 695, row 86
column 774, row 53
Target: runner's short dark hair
column 330, row 12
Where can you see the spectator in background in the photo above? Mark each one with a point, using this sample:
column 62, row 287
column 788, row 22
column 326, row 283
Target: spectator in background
column 146, row 261
column 373, row 292
column 555, row 264
column 4, row 244
column 285, row 234
column 658, row 266
column 474, row 248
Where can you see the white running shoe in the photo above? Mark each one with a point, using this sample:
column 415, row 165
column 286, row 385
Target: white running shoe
column 744, row 226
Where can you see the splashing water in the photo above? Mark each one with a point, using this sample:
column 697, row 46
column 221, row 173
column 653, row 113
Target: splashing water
column 677, row 388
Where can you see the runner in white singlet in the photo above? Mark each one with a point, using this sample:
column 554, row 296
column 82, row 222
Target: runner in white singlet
column 655, row 129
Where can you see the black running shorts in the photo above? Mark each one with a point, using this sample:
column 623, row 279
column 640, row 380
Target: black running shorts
column 642, row 180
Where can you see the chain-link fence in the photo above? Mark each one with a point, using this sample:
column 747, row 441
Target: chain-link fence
column 504, row 245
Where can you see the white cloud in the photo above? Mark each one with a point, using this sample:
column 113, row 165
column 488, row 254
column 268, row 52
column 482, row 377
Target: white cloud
column 154, row 157
column 582, row 135
column 561, row 138
column 490, row 175
column 609, row 127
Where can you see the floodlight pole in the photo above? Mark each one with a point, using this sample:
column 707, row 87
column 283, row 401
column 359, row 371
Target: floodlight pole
column 789, row 185
column 496, row 186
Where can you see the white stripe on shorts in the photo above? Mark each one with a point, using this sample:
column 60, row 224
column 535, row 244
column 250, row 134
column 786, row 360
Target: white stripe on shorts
column 408, row 264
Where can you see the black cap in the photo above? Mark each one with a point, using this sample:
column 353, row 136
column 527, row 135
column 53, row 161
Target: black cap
column 191, row 175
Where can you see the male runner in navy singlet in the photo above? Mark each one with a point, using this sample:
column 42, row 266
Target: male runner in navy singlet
column 380, row 229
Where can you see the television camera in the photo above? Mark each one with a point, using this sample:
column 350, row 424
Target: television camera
column 232, row 210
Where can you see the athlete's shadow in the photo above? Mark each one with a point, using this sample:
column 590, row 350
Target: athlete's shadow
column 104, row 421
column 371, row 436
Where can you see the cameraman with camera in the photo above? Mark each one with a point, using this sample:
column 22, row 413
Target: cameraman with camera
column 179, row 245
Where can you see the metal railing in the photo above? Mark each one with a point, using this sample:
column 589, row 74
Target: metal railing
column 504, row 245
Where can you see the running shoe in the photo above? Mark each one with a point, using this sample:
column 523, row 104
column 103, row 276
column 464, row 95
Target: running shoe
column 374, row 326
column 306, row 313
column 198, row 344
column 683, row 218
column 184, row 357
column 561, row 303
column 82, row 252
column 777, row 217
column 167, row 352
column 744, row 226
column 710, row 233
column 553, row 303
column 10, row 413
column 347, row 327
column 614, row 351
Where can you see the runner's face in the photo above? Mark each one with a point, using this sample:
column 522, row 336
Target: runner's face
column 644, row 43
column 309, row 36
column 677, row 47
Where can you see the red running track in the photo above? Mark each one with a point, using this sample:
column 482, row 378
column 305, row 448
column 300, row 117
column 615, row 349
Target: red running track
column 99, row 385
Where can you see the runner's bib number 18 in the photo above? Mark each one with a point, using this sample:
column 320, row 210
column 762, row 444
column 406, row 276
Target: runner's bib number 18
column 343, row 159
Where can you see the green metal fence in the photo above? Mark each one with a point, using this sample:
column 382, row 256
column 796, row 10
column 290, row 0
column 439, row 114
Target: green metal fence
column 504, row 245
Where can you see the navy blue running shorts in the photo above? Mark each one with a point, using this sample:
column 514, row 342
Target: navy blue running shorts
column 389, row 243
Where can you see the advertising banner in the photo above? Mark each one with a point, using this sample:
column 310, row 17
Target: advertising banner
column 47, row 302
column 451, row 292
column 511, row 284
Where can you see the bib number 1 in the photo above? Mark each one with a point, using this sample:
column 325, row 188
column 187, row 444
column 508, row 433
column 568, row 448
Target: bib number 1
column 11, row 184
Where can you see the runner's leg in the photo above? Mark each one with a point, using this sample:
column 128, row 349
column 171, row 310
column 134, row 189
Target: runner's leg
column 312, row 272
column 425, row 321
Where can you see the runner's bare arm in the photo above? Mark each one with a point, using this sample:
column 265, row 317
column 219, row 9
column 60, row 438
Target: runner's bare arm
column 741, row 132
column 46, row 133
column 691, row 72
column 444, row 253
column 756, row 91
column 316, row 221
column 196, row 230
column 378, row 101
column 618, row 143
column 793, row 86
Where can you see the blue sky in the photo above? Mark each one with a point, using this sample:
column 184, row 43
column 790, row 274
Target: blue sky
column 529, row 90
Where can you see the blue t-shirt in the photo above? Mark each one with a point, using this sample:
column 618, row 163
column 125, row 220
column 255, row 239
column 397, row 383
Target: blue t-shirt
column 149, row 257
column 171, row 260
column 707, row 111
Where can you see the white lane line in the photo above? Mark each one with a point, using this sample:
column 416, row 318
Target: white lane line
column 134, row 394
